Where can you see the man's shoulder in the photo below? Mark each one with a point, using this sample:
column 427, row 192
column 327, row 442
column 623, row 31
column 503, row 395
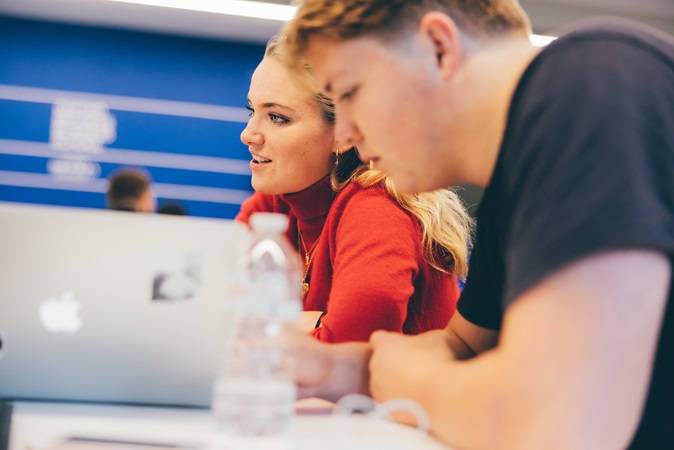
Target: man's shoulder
column 619, row 31
column 594, row 60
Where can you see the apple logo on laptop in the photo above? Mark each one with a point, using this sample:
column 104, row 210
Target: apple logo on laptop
column 61, row 314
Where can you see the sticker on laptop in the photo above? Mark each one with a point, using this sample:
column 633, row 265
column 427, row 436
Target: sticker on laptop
column 176, row 274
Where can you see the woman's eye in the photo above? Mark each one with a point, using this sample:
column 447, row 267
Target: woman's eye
column 251, row 110
column 279, row 120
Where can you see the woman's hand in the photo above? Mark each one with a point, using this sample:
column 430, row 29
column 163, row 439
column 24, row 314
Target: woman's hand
column 308, row 320
column 330, row 371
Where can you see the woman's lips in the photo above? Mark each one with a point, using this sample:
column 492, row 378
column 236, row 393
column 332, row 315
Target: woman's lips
column 258, row 162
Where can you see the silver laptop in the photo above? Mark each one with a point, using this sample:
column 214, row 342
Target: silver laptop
column 107, row 306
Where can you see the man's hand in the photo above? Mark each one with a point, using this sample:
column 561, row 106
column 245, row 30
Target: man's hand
column 400, row 365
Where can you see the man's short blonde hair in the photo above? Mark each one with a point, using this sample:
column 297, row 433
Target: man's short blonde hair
column 387, row 19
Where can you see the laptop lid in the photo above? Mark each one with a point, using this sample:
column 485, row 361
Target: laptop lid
column 110, row 306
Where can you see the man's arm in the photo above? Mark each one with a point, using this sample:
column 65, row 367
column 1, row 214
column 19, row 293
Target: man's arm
column 466, row 339
column 330, row 371
column 571, row 369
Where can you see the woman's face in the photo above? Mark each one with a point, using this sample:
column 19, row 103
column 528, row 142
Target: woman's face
column 291, row 144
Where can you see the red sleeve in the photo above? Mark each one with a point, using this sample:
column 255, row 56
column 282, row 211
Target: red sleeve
column 256, row 203
column 376, row 250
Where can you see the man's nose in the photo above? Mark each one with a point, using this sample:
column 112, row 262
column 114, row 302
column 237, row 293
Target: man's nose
column 347, row 132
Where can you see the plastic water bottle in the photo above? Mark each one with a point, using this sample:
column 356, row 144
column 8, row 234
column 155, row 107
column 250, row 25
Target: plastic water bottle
column 255, row 392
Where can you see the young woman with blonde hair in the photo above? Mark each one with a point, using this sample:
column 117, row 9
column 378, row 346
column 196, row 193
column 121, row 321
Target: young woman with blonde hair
column 374, row 258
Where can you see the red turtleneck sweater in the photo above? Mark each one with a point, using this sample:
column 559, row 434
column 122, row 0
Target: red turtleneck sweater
column 368, row 271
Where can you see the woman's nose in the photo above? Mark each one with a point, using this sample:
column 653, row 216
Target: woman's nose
column 251, row 136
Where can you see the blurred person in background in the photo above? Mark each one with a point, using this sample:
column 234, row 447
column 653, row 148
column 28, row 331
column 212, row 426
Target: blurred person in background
column 130, row 190
column 172, row 208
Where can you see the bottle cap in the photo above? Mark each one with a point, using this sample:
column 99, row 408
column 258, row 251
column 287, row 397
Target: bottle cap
column 269, row 223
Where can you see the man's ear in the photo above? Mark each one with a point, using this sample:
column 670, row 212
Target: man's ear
column 443, row 36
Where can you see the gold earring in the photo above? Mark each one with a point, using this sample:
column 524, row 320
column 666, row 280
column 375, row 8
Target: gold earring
column 337, row 158
column 371, row 165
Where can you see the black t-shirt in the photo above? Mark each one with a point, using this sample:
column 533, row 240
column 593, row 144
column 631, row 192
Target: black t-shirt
column 586, row 165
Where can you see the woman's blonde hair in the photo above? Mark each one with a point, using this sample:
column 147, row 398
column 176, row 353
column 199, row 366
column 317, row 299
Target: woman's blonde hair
column 445, row 224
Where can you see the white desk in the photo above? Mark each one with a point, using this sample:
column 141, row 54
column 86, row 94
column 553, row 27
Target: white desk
column 42, row 426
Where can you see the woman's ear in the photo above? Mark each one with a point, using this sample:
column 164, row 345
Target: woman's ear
column 440, row 34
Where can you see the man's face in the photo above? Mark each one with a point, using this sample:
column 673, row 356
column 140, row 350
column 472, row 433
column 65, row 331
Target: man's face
column 385, row 104
column 146, row 202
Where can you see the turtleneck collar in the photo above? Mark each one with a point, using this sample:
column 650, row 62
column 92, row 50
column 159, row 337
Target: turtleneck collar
column 313, row 202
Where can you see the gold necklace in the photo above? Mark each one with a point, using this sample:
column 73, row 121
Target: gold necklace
column 308, row 258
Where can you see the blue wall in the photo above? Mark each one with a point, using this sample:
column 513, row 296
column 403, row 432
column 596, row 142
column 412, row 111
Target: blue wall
column 78, row 102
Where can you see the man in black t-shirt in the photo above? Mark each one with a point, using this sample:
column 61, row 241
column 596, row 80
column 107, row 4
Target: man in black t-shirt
column 564, row 331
